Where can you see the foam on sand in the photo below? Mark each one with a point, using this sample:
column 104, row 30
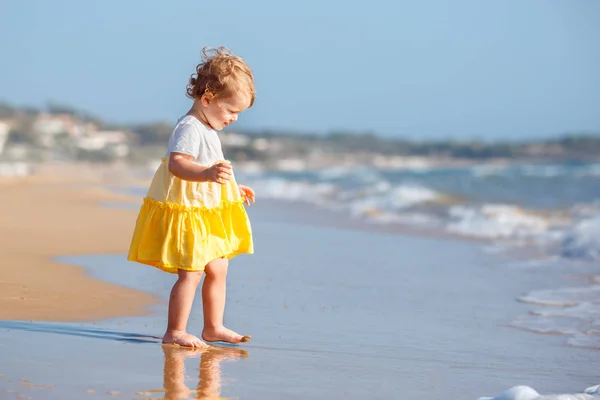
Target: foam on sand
column 573, row 311
column 527, row 393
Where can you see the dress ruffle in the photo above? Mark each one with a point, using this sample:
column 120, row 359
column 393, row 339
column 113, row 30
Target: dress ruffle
column 173, row 236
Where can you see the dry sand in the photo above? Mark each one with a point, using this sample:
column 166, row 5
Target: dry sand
column 57, row 212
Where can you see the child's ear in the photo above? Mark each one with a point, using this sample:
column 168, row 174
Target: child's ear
column 206, row 98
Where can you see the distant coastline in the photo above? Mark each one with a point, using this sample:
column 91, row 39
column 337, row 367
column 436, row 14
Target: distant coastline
column 64, row 133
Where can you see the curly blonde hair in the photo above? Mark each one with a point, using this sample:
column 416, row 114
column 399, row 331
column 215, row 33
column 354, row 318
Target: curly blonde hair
column 221, row 74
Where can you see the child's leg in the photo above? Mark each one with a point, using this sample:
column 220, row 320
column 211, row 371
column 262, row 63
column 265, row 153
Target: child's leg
column 180, row 305
column 213, row 302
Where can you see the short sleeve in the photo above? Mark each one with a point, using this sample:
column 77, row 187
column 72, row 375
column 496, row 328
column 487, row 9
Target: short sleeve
column 186, row 140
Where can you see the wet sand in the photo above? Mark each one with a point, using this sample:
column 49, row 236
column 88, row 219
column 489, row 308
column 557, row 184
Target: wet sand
column 54, row 213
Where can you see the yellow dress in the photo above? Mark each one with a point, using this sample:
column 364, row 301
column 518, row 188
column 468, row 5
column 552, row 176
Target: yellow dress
column 184, row 225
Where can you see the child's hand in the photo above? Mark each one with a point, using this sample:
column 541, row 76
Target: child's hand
column 219, row 173
column 246, row 193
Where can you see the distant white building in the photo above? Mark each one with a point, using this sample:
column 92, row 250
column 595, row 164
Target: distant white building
column 115, row 141
column 10, row 169
column 53, row 124
column 231, row 139
column 48, row 126
column 261, row 144
column 4, row 131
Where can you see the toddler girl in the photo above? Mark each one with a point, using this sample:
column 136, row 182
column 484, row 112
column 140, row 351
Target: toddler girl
column 193, row 218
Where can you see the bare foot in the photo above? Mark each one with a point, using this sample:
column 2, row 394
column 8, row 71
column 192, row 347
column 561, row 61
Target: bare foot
column 223, row 334
column 182, row 338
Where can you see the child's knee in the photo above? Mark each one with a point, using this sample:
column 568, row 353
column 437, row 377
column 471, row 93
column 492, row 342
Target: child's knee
column 217, row 268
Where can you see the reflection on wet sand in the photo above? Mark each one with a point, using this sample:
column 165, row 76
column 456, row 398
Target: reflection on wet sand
column 209, row 384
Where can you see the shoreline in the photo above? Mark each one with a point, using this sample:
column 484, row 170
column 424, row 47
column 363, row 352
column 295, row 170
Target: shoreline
column 57, row 213
column 75, row 196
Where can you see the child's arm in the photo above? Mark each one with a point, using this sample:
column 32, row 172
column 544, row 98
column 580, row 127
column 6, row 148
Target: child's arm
column 181, row 166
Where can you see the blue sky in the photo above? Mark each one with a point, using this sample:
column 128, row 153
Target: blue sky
column 430, row 69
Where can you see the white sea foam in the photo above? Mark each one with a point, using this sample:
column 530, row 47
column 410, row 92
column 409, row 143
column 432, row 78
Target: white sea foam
column 554, row 326
column 282, row 189
column 586, row 310
column 527, row 393
column 583, row 240
column 495, row 221
column 565, row 311
column 396, row 198
column 563, row 297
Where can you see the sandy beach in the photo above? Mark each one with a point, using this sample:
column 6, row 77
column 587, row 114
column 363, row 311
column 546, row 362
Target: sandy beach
column 57, row 212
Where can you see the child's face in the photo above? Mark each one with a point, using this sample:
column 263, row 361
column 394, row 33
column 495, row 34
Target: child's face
column 222, row 112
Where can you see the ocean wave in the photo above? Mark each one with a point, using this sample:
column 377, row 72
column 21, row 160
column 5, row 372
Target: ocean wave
column 380, row 195
column 496, row 221
column 283, row 189
column 403, row 198
column 583, row 240
column 392, row 198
